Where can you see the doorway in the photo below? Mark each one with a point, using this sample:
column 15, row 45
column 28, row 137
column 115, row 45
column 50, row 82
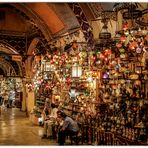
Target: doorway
column 11, row 91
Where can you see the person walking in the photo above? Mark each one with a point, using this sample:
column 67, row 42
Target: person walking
column 6, row 100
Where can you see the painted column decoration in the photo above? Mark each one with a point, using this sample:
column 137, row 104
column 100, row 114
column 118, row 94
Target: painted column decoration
column 86, row 28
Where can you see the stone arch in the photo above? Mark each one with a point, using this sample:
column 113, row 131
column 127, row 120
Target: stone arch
column 7, row 68
column 28, row 62
column 8, row 50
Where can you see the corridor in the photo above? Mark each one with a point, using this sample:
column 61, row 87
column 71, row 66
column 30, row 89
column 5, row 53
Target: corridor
column 16, row 129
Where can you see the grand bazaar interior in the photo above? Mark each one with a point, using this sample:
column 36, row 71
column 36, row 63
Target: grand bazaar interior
column 89, row 60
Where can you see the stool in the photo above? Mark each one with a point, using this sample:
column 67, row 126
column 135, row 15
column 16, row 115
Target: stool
column 75, row 138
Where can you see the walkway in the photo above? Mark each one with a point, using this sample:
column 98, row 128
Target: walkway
column 16, row 129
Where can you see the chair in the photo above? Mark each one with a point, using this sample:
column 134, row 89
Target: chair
column 75, row 138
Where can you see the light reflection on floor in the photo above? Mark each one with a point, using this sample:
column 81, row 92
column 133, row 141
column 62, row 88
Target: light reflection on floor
column 16, row 129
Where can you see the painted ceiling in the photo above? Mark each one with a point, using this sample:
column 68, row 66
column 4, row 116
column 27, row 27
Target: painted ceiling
column 28, row 26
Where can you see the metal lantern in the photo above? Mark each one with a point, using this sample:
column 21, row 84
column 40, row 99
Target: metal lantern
column 73, row 93
column 76, row 71
column 47, row 70
column 47, row 66
column 104, row 34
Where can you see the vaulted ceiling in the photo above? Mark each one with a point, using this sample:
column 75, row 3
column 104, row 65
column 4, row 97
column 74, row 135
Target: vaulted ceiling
column 28, row 26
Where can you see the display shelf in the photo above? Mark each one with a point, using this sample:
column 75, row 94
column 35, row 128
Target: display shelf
column 40, row 101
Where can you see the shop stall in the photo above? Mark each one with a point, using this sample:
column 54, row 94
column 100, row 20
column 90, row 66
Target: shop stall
column 105, row 90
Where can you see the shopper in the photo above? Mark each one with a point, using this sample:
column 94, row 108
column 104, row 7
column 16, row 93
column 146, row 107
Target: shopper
column 1, row 100
column 50, row 122
column 70, row 127
column 6, row 100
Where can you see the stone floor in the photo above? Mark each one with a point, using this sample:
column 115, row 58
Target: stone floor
column 16, row 129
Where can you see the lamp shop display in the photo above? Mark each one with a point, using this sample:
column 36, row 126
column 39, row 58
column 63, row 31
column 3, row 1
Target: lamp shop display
column 105, row 89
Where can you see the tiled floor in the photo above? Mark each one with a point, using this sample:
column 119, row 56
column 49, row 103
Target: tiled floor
column 16, row 129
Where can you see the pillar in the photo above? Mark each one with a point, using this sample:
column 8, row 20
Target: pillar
column 24, row 98
column 30, row 100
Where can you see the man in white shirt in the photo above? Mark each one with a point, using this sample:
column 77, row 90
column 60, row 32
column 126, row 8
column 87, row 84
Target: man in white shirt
column 49, row 122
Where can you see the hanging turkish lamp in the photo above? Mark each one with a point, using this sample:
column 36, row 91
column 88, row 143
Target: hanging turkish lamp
column 108, row 52
column 144, row 32
column 105, row 75
column 118, row 44
column 128, row 38
column 125, row 25
column 83, row 54
column 133, row 45
column 76, row 70
column 122, row 50
column 123, row 38
column 102, row 56
column 68, row 81
column 56, row 62
column 139, row 40
column 61, row 62
column 49, row 56
column 93, row 57
column 126, row 33
column 122, row 56
column 139, row 50
column 114, row 86
column 104, row 34
column 51, row 61
column 133, row 32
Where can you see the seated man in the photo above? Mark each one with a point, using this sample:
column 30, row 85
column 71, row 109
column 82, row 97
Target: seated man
column 49, row 122
column 69, row 127
column 58, row 124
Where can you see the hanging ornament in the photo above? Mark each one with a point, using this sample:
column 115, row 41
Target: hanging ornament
column 83, row 54
column 122, row 50
column 102, row 56
column 49, row 56
column 129, row 37
column 107, row 52
column 138, row 50
column 123, row 38
column 126, row 33
column 98, row 62
column 119, row 45
column 125, row 26
column 114, row 86
column 122, row 56
column 105, row 75
column 51, row 61
column 133, row 45
column 68, row 81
